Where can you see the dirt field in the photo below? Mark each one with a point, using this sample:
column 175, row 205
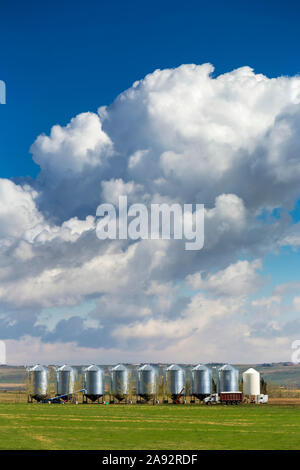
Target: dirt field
column 10, row 385
column 284, row 401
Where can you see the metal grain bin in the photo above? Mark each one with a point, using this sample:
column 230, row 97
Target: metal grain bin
column 93, row 382
column 65, row 379
column 175, row 381
column 228, row 379
column 38, row 382
column 119, row 382
column 201, row 381
column 146, row 382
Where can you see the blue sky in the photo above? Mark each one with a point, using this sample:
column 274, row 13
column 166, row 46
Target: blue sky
column 62, row 58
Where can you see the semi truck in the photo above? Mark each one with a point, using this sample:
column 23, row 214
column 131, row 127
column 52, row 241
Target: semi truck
column 225, row 398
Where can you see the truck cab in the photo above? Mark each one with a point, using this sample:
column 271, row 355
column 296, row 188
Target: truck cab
column 214, row 398
column 261, row 398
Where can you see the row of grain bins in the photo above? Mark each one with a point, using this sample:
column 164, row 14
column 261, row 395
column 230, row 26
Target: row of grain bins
column 143, row 384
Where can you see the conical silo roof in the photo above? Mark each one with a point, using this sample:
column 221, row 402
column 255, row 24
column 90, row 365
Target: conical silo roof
column 92, row 367
column 200, row 367
column 66, row 368
column 119, row 367
column 37, row 368
column 146, row 367
column 251, row 371
column 174, row 367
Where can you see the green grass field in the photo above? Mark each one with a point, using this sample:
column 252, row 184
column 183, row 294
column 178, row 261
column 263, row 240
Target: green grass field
column 24, row 426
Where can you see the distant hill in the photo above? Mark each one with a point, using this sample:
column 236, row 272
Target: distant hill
column 279, row 373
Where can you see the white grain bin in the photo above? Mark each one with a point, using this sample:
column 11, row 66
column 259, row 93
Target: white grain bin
column 251, row 382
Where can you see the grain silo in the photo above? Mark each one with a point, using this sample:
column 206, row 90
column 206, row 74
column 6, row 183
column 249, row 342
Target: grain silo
column 251, row 382
column 93, row 383
column 119, row 383
column 228, row 379
column 146, row 383
column 201, row 381
column 38, row 383
column 65, row 381
column 175, row 382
